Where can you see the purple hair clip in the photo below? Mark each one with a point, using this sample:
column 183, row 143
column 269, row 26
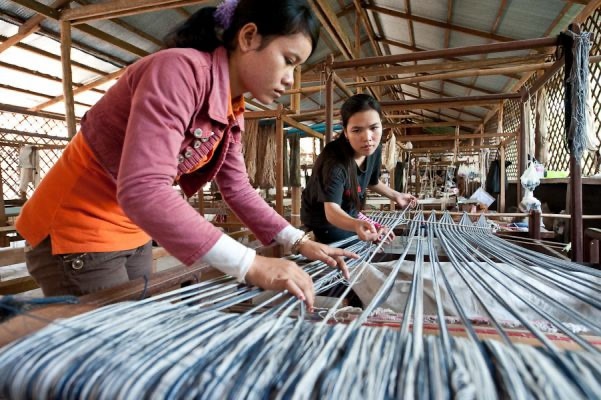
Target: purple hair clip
column 225, row 13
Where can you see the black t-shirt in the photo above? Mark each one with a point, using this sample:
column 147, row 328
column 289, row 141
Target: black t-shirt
column 336, row 189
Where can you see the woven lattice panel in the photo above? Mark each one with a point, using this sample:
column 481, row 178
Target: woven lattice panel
column 9, row 162
column 46, row 134
column 590, row 164
column 511, row 123
column 559, row 158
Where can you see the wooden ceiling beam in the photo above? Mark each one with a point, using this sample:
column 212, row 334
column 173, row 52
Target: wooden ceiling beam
column 447, row 102
column 55, row 57
column 32, row 93
column 499, row 17
column 39, row 7
column 456, row 74
column 38, row 74
column 81, row 89
column 331, row 25
column 30, row 26
column 439, row 24
column 77, row 45
column 437, row 124
column 463, row 136
column 471, row 114
column 435, row 67
column 452, row 52
column 120, row 8
column 131, row 28
column 590, row 8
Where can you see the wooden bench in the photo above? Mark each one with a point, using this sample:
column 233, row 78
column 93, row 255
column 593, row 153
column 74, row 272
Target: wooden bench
column 8, row 258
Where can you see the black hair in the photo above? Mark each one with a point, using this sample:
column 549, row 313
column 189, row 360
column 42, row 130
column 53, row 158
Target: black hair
column 272, row 17
column 340, row 152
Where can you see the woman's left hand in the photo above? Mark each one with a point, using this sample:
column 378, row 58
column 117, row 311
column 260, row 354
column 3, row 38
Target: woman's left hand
column 330, row 255
column 405, row 199
column 386, row 235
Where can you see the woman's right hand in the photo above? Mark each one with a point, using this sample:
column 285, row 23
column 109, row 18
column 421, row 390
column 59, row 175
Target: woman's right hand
column 278, row 274
column 366, row 231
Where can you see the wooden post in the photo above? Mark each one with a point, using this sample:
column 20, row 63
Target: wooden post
column 296, row 206
column 295, row 99
column 4, row 242
column 534, row 224
column 201, row 201
column 391, row 185
column 575, row 192
column 329, row 99
column 502, row 178
column 279, row 163
column 67, row 78
column 522, row 153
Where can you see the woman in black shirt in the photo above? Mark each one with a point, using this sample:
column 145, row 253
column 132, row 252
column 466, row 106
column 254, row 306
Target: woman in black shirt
column 346, row 168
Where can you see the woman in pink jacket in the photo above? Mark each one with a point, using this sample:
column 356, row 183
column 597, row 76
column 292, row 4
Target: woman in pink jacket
column 175, row 116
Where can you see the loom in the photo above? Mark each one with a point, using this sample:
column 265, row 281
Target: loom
column 219, row 339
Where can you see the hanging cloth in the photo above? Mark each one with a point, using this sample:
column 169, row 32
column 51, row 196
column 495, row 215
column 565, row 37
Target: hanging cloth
column 528, row 124
column 389, row 153
column 578, row 138
column 541, row 146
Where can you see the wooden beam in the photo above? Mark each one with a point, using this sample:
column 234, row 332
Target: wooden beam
column 455, row 74
column 433, row 77
column 446, row 102
column 37, row 94
column 52, row 56
column 436, row 124
column 81, row 89
column 329, row 106
column 452, row 52
column 302, row 127
column 30, row 26
column 439, row 24
column 40, row 74
column 39, row 7
column 434, row 67
column 331, row 25
column 20, row 110
column 67, row 78
column 120, row 8
column 279, row 162
column 438, row 137
column 260, row 114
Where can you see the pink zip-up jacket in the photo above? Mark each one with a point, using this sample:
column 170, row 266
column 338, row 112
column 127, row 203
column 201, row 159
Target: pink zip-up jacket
column 162, row 116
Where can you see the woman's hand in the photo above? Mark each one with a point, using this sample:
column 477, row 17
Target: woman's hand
column 330, row 255
column 278, row 274
column 405, row 199
column 366, row 231
column 386, row 235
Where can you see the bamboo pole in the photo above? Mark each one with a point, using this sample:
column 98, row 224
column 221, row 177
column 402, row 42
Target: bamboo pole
column 67, row 78
column 447, row 53
column 329, row 106
column 279, row 163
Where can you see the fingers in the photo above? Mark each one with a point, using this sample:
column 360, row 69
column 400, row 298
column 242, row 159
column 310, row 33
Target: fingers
column 334, row 251
column 343, row 267
column 277, row 274
column 301, row 286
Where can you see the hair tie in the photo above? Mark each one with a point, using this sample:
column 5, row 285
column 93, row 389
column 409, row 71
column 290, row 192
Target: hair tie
column 225, row 13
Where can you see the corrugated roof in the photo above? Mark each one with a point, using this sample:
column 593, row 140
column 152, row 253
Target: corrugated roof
column 104, row 46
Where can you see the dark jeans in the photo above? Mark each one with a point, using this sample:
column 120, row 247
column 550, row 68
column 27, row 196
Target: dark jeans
column 331, row 234
column 84, row 273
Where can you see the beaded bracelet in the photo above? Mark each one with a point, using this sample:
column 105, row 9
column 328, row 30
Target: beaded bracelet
column 299, row 242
